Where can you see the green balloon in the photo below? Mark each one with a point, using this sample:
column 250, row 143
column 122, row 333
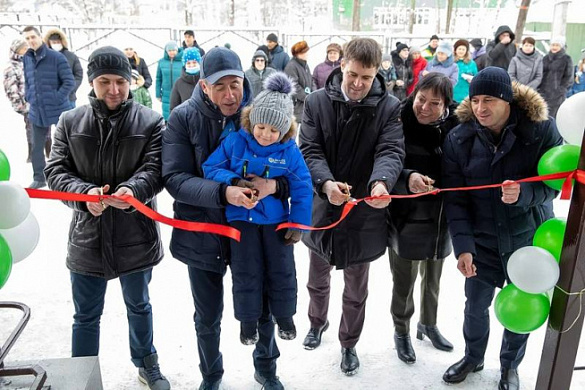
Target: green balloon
column 550, row 236
column 519, row 311
column 561, row 158
column 4, row 167
column 5, row 261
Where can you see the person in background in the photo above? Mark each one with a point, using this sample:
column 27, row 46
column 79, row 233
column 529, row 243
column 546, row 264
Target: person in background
column 502, row 49
column 14, row 87
column 57, row 40
column 478, row 53
column 429, row 52
column 579, row 84
column 190, row 41
column 258, row 72
column 388, row 72
column 443, row 63
column 418, row 236
column 298, row 70
column 266, row 51
column 403, row 68
column 324, row 69
column 466, row 70
column 557, row 75
column 139, row 64
column 418, row 64
column 139, row 93
column 526, row 66
column 183, row 88
column 278, row 57
column 169, row 70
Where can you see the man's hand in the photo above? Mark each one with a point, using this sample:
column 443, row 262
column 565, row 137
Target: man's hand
column 418, row 183
column 117, row 203
column 379, row 189
column 505, row 40
column 264, row 186
column 337, row 192
column 241, row 197
column 292, row 236
column 510, row 191
column 96, row 209
column 465, row 265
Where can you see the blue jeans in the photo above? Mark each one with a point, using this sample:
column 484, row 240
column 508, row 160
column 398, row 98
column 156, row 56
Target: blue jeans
column 88, row 298
column 38, row 151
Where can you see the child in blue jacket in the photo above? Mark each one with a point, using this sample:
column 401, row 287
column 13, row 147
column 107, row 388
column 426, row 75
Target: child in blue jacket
column 264, row 260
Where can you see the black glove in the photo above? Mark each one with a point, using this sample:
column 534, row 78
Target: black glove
column 292, row 236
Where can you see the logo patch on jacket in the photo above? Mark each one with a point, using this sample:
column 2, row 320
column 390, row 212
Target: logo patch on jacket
column 276, row 160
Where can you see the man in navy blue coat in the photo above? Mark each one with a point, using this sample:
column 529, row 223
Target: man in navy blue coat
column 48, row 82
column 195, row 129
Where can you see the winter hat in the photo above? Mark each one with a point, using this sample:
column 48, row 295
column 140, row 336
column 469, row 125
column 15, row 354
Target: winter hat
column 274, row 106
column 529, row 40
column 445, row 47
column 108, row 60
column 334, row 47
column 258, row 54
column 17, row 44
column 492, row 81
column 434, row 36
column 272, row 37
column 227, row 45
column 220, row 62
column 135, row 74
column 414, row 49
column 477, row 43
column 401, row 46
column 190, row 54
column 559, row 40
column 461, row 42
column 299, row 48
column 386, row 57
column 171, row 45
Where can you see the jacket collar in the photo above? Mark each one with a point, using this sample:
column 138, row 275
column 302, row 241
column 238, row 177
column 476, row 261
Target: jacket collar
column 102, row 111
column 377, row 92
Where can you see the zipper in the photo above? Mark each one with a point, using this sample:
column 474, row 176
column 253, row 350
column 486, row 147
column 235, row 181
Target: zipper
column 435, row 257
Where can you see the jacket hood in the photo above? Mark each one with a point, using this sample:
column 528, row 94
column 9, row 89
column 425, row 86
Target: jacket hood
column 525, row 98
column 503, row 29
column 52, row 31
column 277, row 49
column 447, row 63
column 178, row 57
column 333, row 88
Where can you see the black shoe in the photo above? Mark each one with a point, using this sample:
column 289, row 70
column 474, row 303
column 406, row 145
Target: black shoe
column 509, row 379
column 313, row 339
column 459, row 371
column 350, row 363
column 249, row 333
column 432, row 332
column 268, row 383
column 286, row 328
column 209, row 385
column 150, row 374
column 404, row 348
column 37, row 184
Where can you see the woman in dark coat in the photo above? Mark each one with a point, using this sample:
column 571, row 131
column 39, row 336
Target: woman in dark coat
column 183, row 88
column 419, row 239
column 140, row 65
column 298, row 70
column 404, row 76
column 324, row 69
column 557, row 76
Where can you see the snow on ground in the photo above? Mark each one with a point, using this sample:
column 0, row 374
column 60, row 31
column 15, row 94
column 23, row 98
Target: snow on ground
column 42, row 282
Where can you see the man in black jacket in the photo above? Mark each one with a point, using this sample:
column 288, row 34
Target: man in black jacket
column 351, row 138
column 502, row 49
column 57, row 40
column 112, row 145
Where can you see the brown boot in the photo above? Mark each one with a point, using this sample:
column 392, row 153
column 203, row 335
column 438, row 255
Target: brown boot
column 29, row 158
column 48, row 144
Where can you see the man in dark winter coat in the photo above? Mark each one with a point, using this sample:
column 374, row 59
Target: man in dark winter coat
column 48, row 81
column 190, row 41
column 195, row 129
column 351, row 138
column 112, row 145
column 504, row 132
column 57, row 40
column 557, row 75
column 278, row 57
column 502, row 49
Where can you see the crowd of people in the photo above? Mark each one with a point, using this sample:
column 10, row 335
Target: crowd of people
column 278, row 143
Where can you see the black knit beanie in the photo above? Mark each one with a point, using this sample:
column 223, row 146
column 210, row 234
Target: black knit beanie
column 108, row 60
column 492, row 81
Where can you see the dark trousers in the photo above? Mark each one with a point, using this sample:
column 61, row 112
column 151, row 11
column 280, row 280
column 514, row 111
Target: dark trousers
column 207, row 291
column 38, row 151
column 262, row 263
column 88, row 298
column 476, row 327
column 355, row 293
column 404, row 274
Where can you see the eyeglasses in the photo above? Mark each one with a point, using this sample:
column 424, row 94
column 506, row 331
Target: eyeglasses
column 260, row 60
column 128, row 48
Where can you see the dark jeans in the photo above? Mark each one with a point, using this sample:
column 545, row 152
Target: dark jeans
column 476, row 327
column 355, row 293
column 88, row 298
column 404, row 274
column 38, row 151
column 207, row 290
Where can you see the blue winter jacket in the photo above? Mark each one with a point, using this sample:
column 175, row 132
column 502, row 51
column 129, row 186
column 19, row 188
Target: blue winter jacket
column 193, row 133
column 278, row 58
column 48, row 81
column 448, row 68
column 479, row 222
column 167, row 73
column 240, row 155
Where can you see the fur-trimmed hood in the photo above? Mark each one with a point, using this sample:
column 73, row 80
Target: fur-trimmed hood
column 525, row 99
column 247, row 125
column 52, row 31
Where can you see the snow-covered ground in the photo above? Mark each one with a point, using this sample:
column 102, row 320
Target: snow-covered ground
column 42, row 282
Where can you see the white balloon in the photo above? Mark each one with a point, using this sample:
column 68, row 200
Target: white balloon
column 22, row 239
column 570, row 119
column 533, row 269
column 14, row 205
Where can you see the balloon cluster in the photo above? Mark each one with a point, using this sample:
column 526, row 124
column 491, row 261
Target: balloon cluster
column 524, row 305
column 19, row 229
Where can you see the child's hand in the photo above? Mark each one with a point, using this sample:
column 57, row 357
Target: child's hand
column 292, row 236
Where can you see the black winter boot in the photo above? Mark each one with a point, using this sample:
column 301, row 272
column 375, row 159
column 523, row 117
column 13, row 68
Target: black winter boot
column 404, row 348
column 432, row 332
column 150, row 374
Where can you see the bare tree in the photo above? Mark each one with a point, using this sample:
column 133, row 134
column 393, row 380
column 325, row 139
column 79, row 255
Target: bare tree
column 355, row 23
column 521, row 22
column 412, row 18
column 449, row 12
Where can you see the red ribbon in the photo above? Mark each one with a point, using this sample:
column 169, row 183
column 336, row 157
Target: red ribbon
column 201, row 227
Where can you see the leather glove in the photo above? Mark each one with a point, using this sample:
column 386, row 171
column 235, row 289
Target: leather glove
column 292, row 236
